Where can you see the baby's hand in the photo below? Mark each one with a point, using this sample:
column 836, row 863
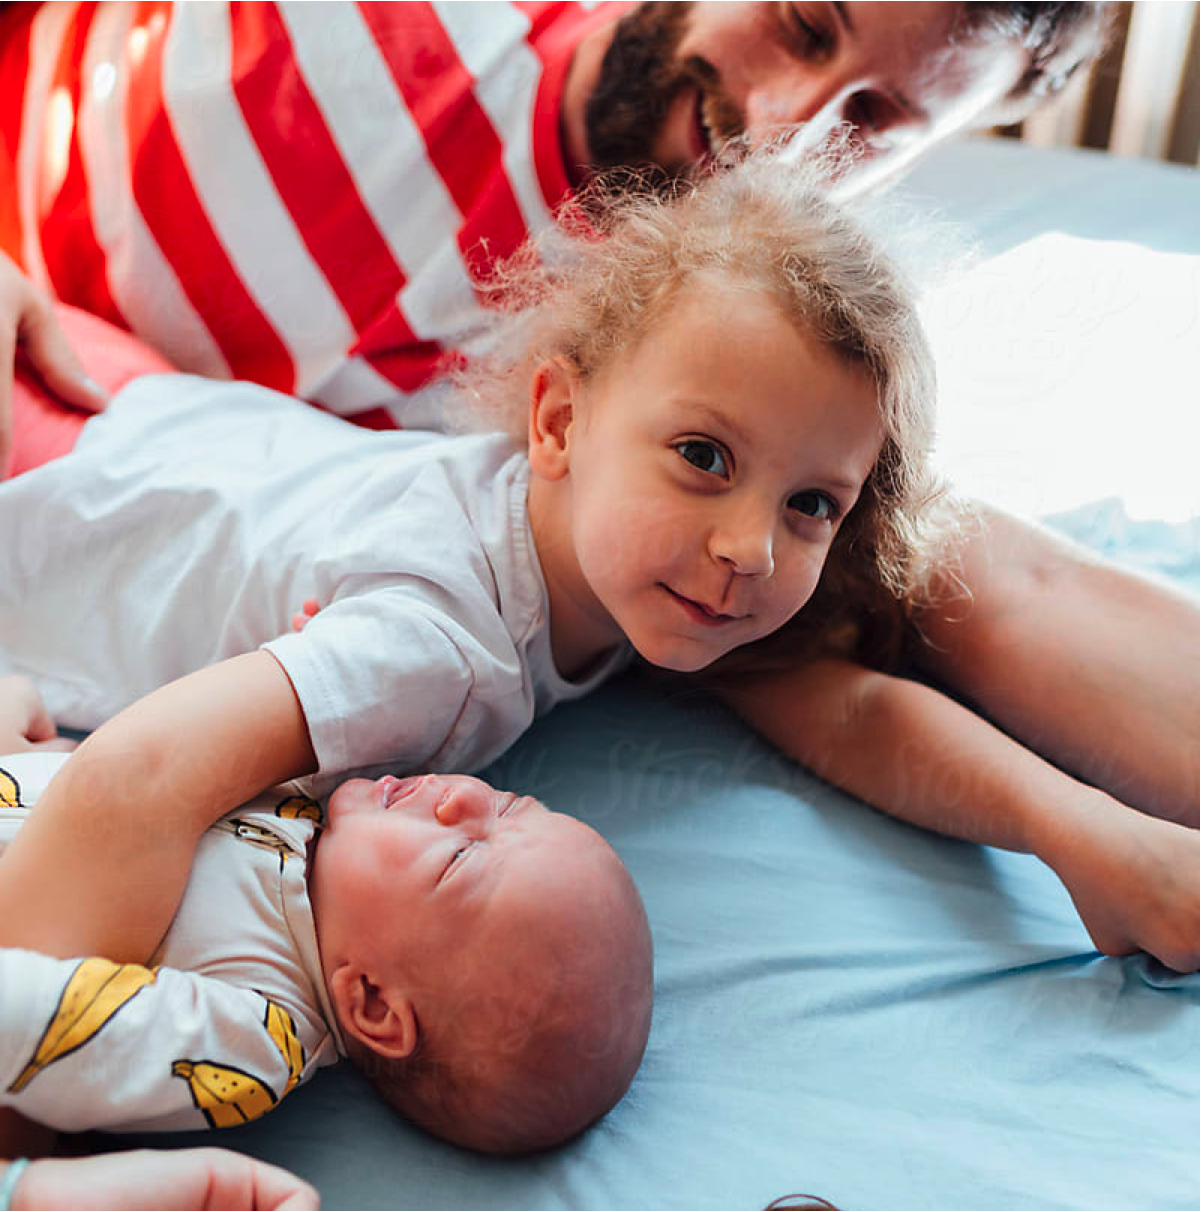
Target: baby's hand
column 24, row 721
column 1134, row 881
column 309, row 608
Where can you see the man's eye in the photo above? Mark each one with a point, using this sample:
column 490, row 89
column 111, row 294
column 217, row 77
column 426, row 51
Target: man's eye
column 806, row 37
column 705, row 456
column 814, row 504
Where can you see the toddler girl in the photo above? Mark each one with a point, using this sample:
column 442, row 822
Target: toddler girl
column 726, row 396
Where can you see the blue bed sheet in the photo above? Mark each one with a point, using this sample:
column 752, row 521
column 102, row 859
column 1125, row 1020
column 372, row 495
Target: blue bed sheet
column 845, row 1005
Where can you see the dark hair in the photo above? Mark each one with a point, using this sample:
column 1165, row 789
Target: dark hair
column 525, row 1062
column 1058, row 37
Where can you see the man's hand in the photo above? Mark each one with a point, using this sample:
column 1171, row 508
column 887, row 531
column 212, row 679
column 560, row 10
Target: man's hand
column 28, row 326
column 24, row 721
column 169, row 1178
column 1134, row 881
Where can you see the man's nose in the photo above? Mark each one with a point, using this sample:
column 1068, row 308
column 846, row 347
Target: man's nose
column 789, row 93
column 816, row 102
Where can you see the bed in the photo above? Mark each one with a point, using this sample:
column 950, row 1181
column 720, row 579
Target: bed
column 846, row 1005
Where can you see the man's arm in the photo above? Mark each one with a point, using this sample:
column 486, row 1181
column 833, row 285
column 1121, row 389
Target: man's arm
column 100, row 866
column 920, row 756
column 1091, row 665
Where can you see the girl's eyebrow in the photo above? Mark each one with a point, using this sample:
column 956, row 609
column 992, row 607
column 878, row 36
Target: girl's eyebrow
column 720, row 418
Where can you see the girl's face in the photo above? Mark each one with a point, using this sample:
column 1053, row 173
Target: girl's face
column 705, row 475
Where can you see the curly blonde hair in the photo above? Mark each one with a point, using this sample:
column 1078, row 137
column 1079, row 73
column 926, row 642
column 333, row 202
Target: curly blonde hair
column 590, row 290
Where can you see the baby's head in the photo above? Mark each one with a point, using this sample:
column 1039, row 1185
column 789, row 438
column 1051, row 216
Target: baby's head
column 489, row 960
column 778, row 393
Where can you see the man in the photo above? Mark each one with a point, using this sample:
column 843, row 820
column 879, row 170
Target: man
column 303, row 197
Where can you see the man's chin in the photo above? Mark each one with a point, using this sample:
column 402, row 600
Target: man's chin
column 639, row 78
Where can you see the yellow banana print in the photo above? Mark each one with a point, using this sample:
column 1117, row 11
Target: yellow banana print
column 10, row 791
column 97, row 989
column 226, row 1096
column 299, row 808
column 282, row 1029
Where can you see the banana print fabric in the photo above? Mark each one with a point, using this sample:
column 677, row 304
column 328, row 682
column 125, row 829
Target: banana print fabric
column 230, row 1015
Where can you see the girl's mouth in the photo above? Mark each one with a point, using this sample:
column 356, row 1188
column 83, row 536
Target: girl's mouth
column 700, row 613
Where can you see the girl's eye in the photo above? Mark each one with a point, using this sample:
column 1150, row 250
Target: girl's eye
column 815, row 505
column 705, row 456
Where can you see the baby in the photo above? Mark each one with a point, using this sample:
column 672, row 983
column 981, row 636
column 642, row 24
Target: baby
column 484, row 961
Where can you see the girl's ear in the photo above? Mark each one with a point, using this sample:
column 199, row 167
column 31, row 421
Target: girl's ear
column 552, row 413
column 381, row 1020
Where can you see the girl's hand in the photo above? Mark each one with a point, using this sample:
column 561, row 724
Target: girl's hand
column 168, row 1178
column 28, row 326
column 24, row 721
column 309, row 608
column 1134, row 881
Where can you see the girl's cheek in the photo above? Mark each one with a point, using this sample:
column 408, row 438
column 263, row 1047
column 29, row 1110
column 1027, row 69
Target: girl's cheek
column 636, row 533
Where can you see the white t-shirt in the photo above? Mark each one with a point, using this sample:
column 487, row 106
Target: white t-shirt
column 194, row 517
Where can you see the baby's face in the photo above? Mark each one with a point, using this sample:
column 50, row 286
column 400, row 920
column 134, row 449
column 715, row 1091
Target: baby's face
column 425, row 866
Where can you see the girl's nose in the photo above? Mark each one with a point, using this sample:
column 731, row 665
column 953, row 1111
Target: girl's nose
column 747, row 549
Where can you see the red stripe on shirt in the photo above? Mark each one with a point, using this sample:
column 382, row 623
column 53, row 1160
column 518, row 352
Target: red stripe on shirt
column 74, row 259
column 176, row 218
column 307, row 169
column 16, row 23
column 388, row 342
column 461, row 143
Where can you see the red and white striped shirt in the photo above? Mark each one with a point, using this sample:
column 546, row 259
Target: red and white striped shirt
column 292, row 193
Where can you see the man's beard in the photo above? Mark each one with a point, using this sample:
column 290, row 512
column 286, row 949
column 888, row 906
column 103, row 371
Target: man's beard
column 640, row 77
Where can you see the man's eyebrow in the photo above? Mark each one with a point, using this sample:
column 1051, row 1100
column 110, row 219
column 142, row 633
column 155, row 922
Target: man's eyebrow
column 844, row 16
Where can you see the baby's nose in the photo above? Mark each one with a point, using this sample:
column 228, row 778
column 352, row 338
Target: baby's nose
column 462, row 802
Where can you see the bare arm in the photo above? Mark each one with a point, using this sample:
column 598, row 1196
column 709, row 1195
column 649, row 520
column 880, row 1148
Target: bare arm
column 100, row 866
column 920, row 756
column 1069, row 654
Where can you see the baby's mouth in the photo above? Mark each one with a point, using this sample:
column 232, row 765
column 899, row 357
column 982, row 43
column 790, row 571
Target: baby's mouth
column 393, row 790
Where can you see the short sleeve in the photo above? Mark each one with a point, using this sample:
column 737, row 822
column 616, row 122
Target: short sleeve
column 395, row 675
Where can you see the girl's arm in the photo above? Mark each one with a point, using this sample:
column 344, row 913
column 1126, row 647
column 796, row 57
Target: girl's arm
column 918, row 755
column 101, row 864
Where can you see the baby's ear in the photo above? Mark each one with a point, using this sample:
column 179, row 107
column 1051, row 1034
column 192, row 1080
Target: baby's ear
column 553, row 391
column 382, row 1020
